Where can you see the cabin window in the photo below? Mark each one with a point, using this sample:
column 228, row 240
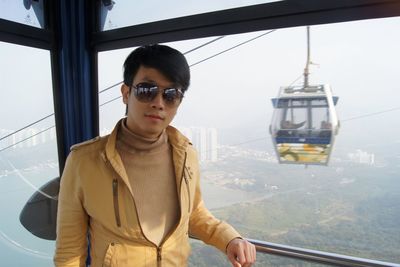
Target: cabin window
column 28, row 149
column 348, row 207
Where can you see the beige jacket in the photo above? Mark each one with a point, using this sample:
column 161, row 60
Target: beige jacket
column 95, row 197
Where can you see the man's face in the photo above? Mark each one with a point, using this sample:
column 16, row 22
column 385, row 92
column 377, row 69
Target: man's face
column 148, row 119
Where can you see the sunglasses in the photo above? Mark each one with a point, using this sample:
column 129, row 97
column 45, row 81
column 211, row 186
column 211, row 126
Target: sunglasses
column 147, row 92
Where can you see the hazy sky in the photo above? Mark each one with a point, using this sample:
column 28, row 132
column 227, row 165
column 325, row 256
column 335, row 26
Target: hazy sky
column 233, row 90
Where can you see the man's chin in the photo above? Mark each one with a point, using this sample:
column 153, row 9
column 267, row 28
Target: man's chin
column 153, row 133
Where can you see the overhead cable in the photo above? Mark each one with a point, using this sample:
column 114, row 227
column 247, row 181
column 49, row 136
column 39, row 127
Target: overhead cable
column 25, row 139
column 106, row 89
column 26, row 126
column 187, row 52
column 233, row 47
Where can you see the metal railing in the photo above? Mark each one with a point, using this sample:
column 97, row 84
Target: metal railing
column 317, row 256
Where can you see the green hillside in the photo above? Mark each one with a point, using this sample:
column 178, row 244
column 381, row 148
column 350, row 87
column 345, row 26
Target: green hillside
column 354, row 211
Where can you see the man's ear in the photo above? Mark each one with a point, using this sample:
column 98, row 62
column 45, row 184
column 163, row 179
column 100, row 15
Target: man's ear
column 125, row 93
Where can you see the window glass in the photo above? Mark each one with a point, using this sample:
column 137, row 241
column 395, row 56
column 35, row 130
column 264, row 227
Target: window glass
column 26, row 12
column 28, row 149
column 348, row 207
column 126, row 13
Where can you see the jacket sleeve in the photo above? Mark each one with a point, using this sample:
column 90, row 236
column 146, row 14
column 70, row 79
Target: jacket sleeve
column 203, row 225
column 72, row 219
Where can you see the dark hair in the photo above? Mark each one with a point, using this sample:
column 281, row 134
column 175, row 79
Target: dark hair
column 170, row 62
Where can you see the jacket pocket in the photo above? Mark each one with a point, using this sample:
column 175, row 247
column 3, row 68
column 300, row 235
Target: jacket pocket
column 109, row 257
column 116, row 203
column 188, row 190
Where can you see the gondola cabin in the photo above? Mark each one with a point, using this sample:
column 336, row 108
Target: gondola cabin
column 304, row 124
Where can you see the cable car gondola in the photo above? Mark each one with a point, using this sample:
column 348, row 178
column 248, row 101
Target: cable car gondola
column 304, row 122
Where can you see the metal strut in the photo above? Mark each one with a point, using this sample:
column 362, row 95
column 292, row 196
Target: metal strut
column 306, row 69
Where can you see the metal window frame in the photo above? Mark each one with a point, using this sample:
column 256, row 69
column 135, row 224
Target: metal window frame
column 283, row 14
column 316, row 256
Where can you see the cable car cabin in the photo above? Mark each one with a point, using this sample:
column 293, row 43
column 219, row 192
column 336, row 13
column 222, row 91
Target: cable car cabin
column 304, row 124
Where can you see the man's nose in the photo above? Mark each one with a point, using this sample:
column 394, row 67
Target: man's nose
column 158, row 102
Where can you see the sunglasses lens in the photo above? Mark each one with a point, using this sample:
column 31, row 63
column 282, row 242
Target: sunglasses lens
column 146, row 92
column 172, row 96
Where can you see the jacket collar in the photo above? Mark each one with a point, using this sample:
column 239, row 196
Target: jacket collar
column 177, row 140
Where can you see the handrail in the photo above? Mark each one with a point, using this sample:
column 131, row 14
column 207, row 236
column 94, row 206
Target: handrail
column 317, row 256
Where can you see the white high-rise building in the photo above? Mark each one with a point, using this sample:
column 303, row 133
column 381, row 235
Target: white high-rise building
column 52, row 133
column 28, row 137
column 362, row 157
column 17, row 137
column 6, row 141
column 212, row 142
column 205, row 140
column 31, row 137
column 44, row 136
column 199, row 139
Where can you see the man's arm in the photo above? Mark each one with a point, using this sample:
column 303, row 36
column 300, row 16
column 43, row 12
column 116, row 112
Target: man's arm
column 209, row 229
column 212, row 231
column 72, row 220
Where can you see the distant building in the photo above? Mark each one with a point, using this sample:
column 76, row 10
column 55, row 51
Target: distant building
column 212, row 142
column 7, row 141
column 53, row 134
column 199, row 139
column 205, row 140
column 30, row 137
column 362, row 157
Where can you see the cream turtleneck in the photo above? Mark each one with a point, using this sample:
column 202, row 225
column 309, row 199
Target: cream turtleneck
column 148, row 163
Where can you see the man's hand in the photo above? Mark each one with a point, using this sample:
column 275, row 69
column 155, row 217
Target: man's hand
column 241, row 253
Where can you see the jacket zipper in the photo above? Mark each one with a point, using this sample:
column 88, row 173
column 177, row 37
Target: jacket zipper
column 188, row 189
column 115, row 195
column 117, row 217
column 177, row 224
column 116, row 203
column 159, row 257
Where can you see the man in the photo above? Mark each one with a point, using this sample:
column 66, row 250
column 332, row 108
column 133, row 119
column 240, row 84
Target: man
column 135, row 194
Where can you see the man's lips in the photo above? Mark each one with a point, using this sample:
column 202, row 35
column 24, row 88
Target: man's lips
column 152, row 116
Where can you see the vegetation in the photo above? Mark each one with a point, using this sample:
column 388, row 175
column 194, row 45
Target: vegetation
column 351, row 210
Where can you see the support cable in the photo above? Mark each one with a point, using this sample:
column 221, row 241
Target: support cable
column 217, row 54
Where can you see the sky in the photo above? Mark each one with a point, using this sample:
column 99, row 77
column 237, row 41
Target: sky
column 233, row 91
